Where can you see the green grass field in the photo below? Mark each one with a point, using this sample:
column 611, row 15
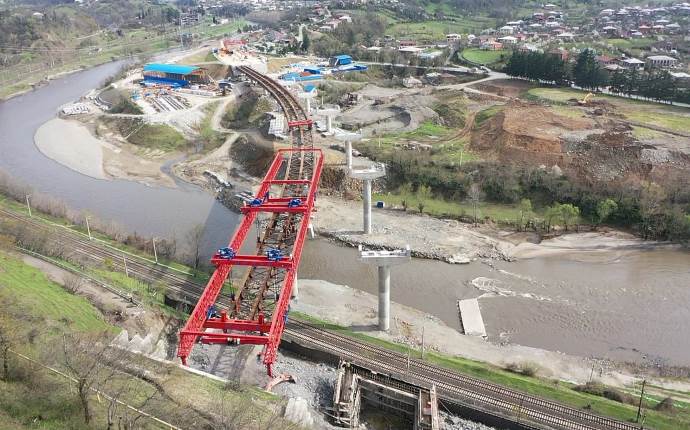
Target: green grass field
column 43, row 400
column 631, row 43
column 481, row 56
column 28, row 288
column 428, row 31
column 486, row 114
column 158, row 136
column 444, row 208
column 643, row 112
column 448, row 148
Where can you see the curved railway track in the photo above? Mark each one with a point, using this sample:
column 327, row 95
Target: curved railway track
column 260, row 301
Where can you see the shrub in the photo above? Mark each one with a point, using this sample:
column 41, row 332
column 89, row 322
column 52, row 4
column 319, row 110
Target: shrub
column 665, row 405
column 526, row 368
column 601, row 390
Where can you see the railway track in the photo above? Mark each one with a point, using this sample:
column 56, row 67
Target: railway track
column 530, row 410
column 451, row 386
column 261, row 300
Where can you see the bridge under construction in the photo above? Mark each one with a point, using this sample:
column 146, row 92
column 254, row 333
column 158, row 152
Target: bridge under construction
column 283, row 203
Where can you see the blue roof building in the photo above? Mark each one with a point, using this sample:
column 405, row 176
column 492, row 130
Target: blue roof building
column 175, row 75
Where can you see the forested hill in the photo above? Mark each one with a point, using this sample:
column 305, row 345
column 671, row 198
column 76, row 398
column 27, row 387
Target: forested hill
column 39, row 27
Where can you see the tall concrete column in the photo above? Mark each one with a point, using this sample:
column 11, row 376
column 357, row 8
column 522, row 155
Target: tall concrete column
column 367, row 175
column 366, row 205
column 384, row 297
column 308, row 106
column 384, row 260
column 329, row 120
column 349, row 155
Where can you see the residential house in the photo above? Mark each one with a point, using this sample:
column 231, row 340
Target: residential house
column 661, row 61
column 605, row 60
column 632, row 63
column 492, row 45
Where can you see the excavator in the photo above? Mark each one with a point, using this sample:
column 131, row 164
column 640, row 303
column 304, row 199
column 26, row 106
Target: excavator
column 585, row 100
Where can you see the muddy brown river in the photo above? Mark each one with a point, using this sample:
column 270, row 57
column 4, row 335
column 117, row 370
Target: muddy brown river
column 631, row 305
column 624, row 305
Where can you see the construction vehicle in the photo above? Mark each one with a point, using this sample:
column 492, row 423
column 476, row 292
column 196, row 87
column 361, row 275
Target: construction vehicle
column 585, row 100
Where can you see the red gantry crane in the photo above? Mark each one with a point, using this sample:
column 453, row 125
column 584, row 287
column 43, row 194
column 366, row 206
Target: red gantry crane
column 285, row 199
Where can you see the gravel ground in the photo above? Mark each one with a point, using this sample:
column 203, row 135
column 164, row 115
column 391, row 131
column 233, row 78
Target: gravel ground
column 453, row 422
column 315, row 383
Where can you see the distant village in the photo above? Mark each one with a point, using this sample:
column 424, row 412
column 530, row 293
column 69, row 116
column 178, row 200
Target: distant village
column 630, row 37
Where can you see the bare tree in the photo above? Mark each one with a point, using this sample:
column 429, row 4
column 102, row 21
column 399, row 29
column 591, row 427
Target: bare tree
column 475, row 196
column 194, row 238
column 125, row 390
column 72, row 283
column 238, row 413
column 83, row 357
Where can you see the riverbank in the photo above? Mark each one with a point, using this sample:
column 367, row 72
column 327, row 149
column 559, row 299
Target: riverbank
column 73, row 145
column 455, row 242
column 428, row 237
column 412, row 327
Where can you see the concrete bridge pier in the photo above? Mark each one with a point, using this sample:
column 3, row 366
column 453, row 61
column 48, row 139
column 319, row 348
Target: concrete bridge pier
column 384, row 260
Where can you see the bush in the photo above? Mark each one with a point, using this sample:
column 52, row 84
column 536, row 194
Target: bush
column 126, row 106
column 601, row 390
column 526, row 368
column 665, row 405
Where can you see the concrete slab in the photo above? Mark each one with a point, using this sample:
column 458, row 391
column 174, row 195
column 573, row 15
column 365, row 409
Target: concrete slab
column 471, row 318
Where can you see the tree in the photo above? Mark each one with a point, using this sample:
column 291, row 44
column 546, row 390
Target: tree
column 423, row 195
column 526, row 213
column 306, row 42
column 618, row 82
column 475, row 196
column 605, row 208
column 552, row 213
column 405, row 192
column 568, row 212
column 83, row 357
column 652, row 198
column 6, row 342
column 194, row 239
column 72, row 283
column 587, row 72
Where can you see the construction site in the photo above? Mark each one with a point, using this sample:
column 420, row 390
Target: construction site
column 302, row 147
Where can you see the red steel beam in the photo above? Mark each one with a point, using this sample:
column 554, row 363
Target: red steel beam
column 193, row 329
column 278, row 319
column 241, row 325
column 198, row 322
column 254, row 261
column 290, row 181
column 273, row 208
column 215, row 284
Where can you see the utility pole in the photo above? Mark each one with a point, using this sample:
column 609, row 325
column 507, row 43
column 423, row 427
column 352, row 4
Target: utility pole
column 422, row 342
column 124, row 260
column 28, row 205
column 88, row 229
column 639, row 405
column 155, row 254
